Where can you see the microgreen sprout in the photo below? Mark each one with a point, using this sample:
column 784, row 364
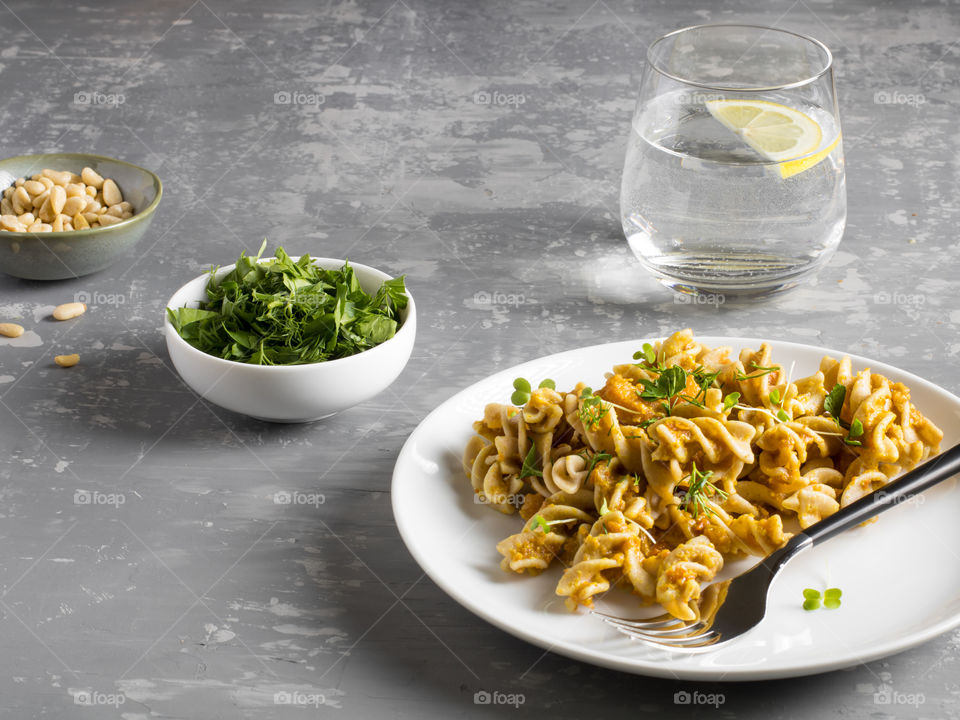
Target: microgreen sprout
column 699, row 489
column 522, row 390
column 592, row 409
column 830, row 598
column 730, row 400
column 761, row 371
column 649, row 355
column 541, row 522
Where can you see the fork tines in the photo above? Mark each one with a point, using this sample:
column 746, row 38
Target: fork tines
column 664, row 631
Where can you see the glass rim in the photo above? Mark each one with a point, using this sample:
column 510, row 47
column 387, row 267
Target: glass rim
column 827, row 67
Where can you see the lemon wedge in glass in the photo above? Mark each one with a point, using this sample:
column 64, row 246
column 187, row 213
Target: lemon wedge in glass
column 778, row 132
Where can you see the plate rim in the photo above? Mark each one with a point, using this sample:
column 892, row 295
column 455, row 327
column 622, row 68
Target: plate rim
column 650, row 667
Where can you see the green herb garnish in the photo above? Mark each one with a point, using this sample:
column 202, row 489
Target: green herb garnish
column 539, row 521
column 833, row 402
column 592, row 409
column 648, row 355
column 730, row 400
column 285, row 312
column 670, row 382
column 522, row 389
column 856, row 430
column 830, row 598
column 529, row 468
column 762, row 371
column 699, row 488
column 811, row 599
column 598, row 457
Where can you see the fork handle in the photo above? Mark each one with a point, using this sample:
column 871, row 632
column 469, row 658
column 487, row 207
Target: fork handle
column 921, row 478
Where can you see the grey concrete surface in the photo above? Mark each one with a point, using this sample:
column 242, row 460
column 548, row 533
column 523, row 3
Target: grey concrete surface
column 198, row 596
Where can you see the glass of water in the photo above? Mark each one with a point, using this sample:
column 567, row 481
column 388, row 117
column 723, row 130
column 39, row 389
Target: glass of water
column 733, row 183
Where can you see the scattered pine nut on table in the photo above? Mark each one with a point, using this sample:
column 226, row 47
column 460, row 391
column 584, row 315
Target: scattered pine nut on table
column 68, row 311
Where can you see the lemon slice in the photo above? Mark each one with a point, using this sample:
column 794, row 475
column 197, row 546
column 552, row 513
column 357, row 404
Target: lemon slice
column 777, row 132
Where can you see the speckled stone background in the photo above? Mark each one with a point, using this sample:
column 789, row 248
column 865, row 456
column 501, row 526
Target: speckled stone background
column 198, row 596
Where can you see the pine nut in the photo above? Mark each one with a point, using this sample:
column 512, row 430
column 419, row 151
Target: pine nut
column 57, row 224
column 58, row 196
column 40, row 199
column 80, row 222
column 69, row 310
column 74, row 205
column 33, row 187
column 91, row 218
column 67, row 360
column 91, row 177
column 58, row 178
column 22, row 200
column 26, row 219
column 9, row 222
column 11, row 330
column 46, row 211
column 106, row 220
column 75, row 189
column 91, row 191
column 111, row 193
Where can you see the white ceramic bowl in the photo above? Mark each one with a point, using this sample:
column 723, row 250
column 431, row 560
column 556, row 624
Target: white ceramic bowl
column 291, row 393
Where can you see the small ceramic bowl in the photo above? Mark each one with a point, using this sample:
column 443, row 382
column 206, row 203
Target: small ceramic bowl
column 291, row 393
column 58, row 256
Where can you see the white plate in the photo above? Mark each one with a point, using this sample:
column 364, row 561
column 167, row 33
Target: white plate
column 900, row 576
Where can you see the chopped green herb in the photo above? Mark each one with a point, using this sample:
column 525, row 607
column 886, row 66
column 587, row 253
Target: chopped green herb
column 285, row 312
column 529, row 468
column 856, row 430
column 592, row 409
column 699, row 488
column 762, row 371
column 598, row 457
column 833, row 402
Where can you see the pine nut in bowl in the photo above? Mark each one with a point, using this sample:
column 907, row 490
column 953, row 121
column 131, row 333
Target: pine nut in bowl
column 65, row 215
column 317, row 382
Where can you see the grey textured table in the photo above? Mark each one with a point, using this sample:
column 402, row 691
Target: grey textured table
column 198, row 596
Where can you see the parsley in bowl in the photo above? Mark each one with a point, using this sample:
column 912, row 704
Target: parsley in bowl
column 290, row 339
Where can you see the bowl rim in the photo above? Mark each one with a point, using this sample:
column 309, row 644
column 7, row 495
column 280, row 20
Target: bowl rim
column 407, row 327
column 87, row 232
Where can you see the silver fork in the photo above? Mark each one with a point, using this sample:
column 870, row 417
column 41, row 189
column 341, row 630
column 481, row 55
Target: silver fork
column 746, row 597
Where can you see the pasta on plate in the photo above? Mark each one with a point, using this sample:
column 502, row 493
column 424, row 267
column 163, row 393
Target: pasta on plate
column 684, row 459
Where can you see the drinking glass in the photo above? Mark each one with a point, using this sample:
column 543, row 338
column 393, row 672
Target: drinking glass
column 733, row 183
